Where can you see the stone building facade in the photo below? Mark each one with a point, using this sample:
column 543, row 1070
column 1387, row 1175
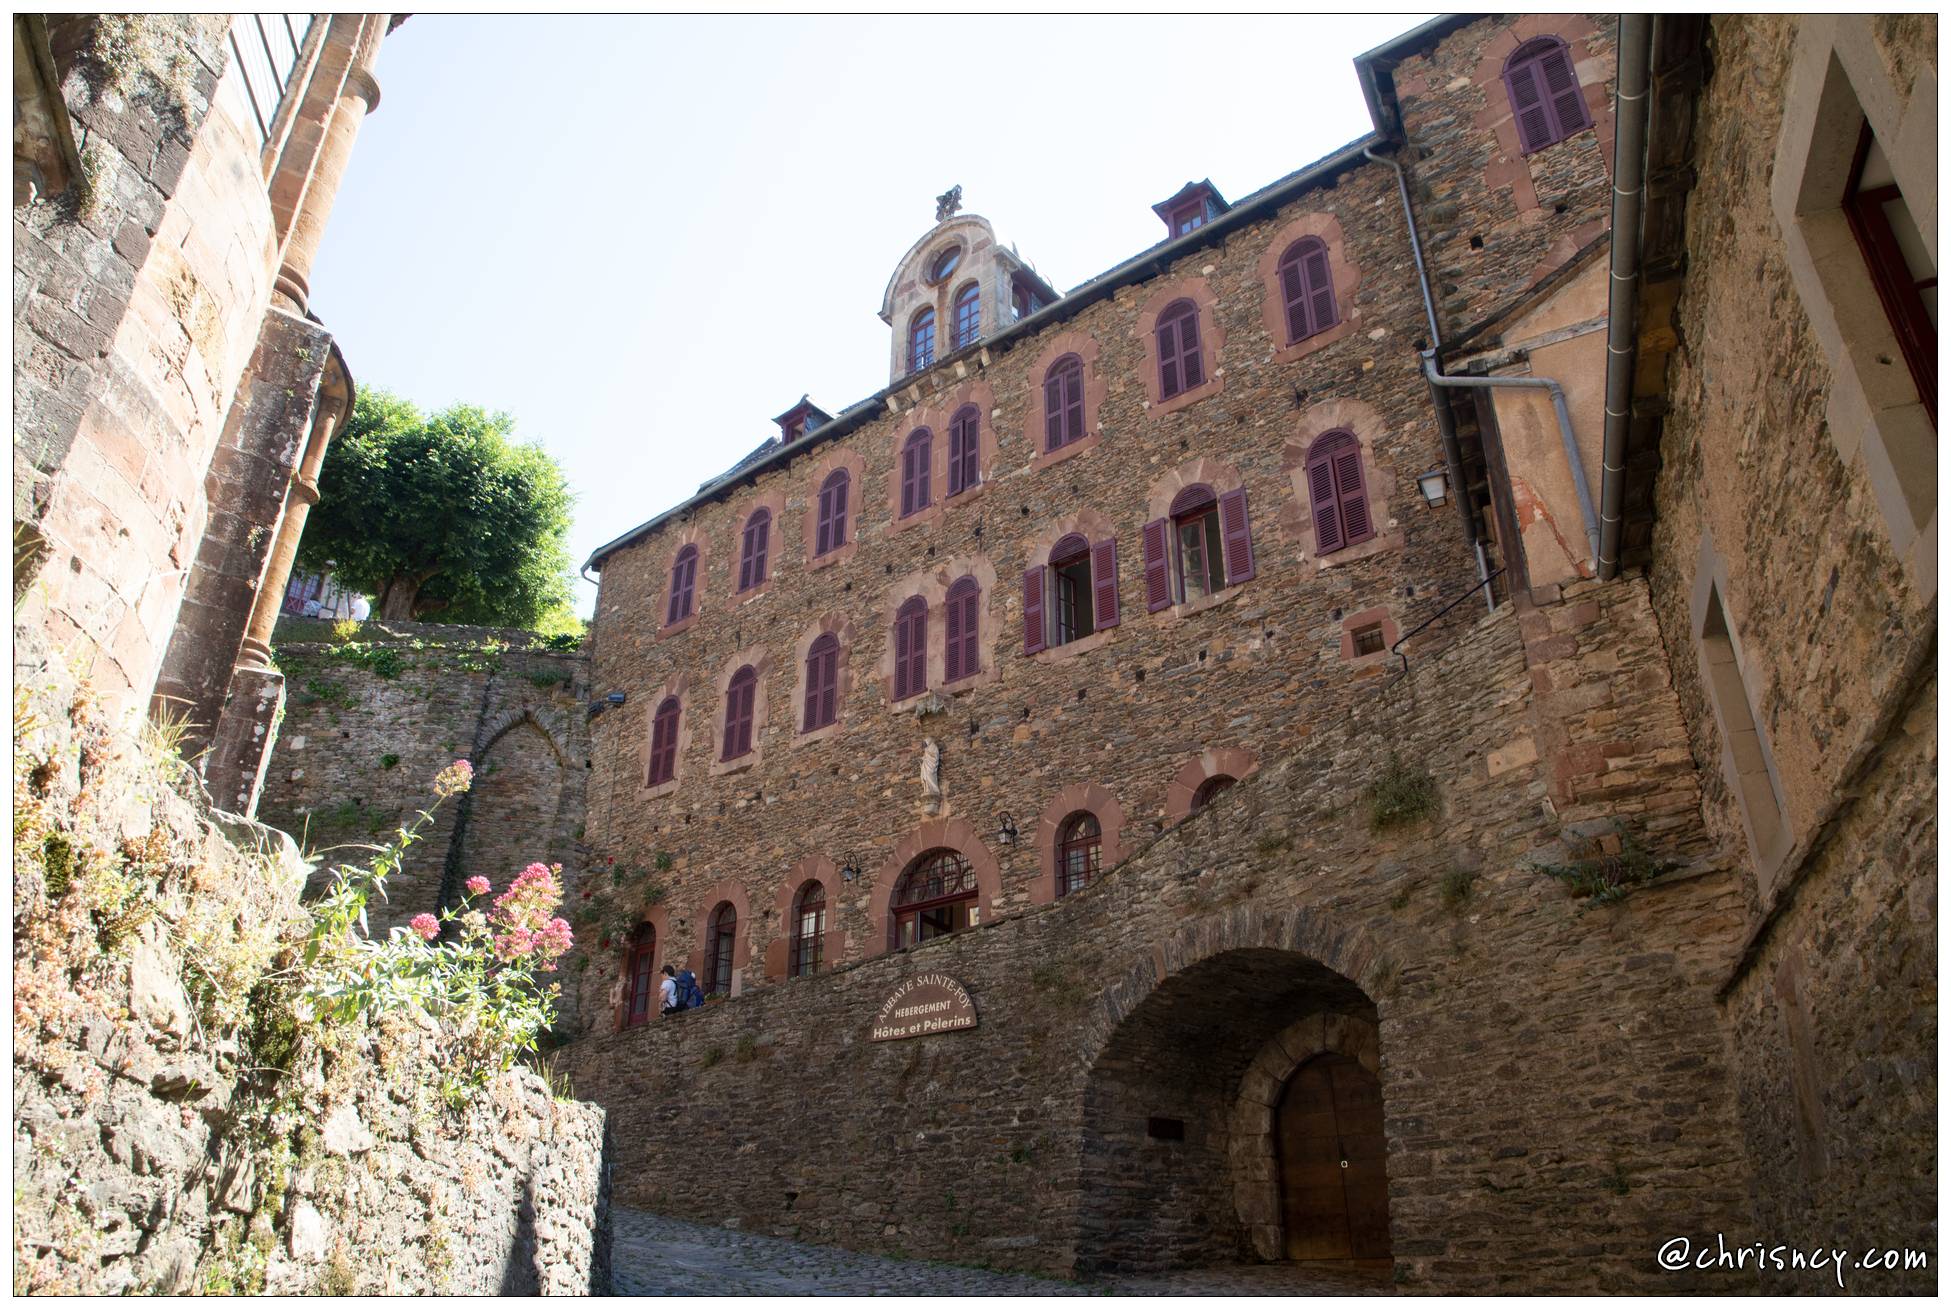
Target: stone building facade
column 174, row 397
column 925, row 691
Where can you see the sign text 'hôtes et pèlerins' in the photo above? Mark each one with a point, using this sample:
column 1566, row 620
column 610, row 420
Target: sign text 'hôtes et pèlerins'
column 923, row 1005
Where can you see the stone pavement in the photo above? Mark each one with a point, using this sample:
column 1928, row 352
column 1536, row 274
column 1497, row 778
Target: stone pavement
column 656, row 1256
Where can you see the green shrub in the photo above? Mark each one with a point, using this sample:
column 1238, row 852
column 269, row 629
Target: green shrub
column 1606, row 877
column 1458, row 886
column 1402, row 794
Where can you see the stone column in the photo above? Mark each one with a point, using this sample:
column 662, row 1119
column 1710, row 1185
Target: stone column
column 358, row 97
column 256, row 651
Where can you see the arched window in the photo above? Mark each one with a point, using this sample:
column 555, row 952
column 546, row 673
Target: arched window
column 684, row 584
column 921, row 341
column 639, row 977
column 721, row 935
column 1196, row 542
column 1545, row 95
column 916, row 454
column 1080, row 846
column 1307, row 289
column 964, row 450
column 961, row 656
column 1078, row 588
column 1337, row 491
column 753, row 549
column 910, row 648
column 831, row 532
column 935, row 897
column 822, row 683
column 1063, row 403
column 1180, row 366
column 663, row 743
column 1209, row 789
column 739, row 696
column 967, row 321
column 809, row 930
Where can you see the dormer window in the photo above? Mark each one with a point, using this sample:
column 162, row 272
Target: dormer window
column 800, row 420
column 1196, row 205
column 944, row 264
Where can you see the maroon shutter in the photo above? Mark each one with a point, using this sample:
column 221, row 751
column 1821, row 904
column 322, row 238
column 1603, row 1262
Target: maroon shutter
column 761, row 546
column 961, row 659
column 1158, row 568
column 745, row 550
column 1562, row 93
column 1104, row 584
column 829, row 696
column 924, row 457
column 1320, row 289
column 1074, row 402
column 1053, row 409
column 1192, row 369
column 955, row 456
column 815, row 659
column 1321, row 498
column 1236, row 536
column 901, row 639
column 663, row 743
column 1168, row 360
column 910, row 650
column 1528, row 106
column 971, row 449
column 823, row 537
column 1352, row 495
column 1032, row 611
column 840, row 492
column 952, row 640
column 738, row 715
column 1293, row 293
column 908, row 488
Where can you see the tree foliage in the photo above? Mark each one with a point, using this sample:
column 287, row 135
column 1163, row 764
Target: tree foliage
column 442, row 517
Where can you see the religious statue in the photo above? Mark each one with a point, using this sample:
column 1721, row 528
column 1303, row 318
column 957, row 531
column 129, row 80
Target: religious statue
column 931, row 772
column 947, row 203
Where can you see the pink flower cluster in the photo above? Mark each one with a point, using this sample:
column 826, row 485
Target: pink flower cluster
column 523, row 917
column 426, row 925
column 478, row 886
column 454, row 779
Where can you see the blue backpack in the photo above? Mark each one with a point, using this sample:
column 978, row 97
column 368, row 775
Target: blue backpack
column 688, row 995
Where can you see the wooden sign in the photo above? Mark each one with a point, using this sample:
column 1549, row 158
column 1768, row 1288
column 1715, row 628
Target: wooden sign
column 929, row 1003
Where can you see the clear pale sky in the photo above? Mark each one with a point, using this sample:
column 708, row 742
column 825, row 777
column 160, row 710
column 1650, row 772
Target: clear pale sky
column 644, row 237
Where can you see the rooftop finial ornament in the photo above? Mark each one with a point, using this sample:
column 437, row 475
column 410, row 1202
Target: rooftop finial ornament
column 948, row 203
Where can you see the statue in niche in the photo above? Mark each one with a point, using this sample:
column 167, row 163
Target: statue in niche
column 931, row 774
column 948, row 203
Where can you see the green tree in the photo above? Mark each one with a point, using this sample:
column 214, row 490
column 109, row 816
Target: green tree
column 442, row 516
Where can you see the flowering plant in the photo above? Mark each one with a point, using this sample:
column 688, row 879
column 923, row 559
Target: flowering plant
column 474, row 971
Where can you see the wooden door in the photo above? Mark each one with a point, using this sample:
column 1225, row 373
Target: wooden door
column 1334, row 1194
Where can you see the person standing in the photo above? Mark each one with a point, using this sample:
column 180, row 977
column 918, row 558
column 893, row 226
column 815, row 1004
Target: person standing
column 667, row 991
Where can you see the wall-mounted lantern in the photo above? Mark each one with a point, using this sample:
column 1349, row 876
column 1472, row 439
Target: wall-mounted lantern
column 1435, row 486
column 1007, row 833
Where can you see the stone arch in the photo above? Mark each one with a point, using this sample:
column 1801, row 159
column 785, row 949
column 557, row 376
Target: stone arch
column 511, row 816
column 814, row 868
column 700, row 931
column 1177, row 1050
column 506, row 721
column 958, row 835
column 1079, row 796
column 1235, row 762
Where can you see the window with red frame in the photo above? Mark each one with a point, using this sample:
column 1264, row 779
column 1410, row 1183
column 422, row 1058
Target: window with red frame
column 964, row 450
column 1545, row 96
column 1189, row 216
column 935, row 897
column 1337, row 491
column 1900, row 265
column 1307, row 289
column 684, row 582
column 1080, row 847
column 967, row 321
column 921, row 341
column 1063, row 403
column 822, row 683
column 1209, row 790
column 1180, row 366
column 809, row 930
column 663, row 743
column 830, row 530
column 961, row 656
column 721, row 937
column 753, row 548
column 917, row 452
column 740, row 694
column 639, row 977
column 910, row 648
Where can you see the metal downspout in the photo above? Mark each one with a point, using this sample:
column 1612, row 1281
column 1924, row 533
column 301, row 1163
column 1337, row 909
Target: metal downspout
column 1628, row 201
column 1445, row 421
column 1565, row 433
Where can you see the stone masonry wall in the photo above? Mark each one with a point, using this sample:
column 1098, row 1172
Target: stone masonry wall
column 1833, row 1002
column 1556, row 1089
column 1126, row 722
column 169, row 1136
column 370, row 720
column 136, row 313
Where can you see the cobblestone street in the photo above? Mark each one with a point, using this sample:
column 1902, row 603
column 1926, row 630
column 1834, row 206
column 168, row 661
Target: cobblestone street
column 657, row 1256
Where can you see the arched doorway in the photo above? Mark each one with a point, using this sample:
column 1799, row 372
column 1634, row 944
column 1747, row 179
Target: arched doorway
column 1334, row 1192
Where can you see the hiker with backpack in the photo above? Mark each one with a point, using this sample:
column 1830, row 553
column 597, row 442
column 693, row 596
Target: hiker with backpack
column 679, row 991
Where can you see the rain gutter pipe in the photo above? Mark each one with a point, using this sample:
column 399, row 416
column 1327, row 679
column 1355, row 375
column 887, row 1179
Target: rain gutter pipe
column 1635, row 47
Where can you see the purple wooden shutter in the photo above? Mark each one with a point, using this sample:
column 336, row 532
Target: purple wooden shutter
column 1104, row 584
column 815, row 662
column 761, row 545
column 663, row 743
column 738, row 714
column 1191, row 367
column 1168, row 359
column 1352, row 494
column 1032, row 611
column 908, row 487
column 823, row 536
column 840, row 492
column 1053, row 409
column 1562, row 93
column 963, row 433
column 952, row 639
column 1321, row 499
column 1073, row 380
column 924, row 452
column 971, row 630
column 910, row 649
column 829, row 698
column 901, row 639
column 1528, row 106
column 1158, row 568
column 1293, row 294
column 1320, row 286
column 1236, row 536
column 683, row 576
column 745, row 548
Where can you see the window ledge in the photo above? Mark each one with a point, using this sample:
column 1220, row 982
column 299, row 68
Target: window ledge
column 1210, row 387
column 672, row 629
column 1073, row 649
column 1045, row 458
